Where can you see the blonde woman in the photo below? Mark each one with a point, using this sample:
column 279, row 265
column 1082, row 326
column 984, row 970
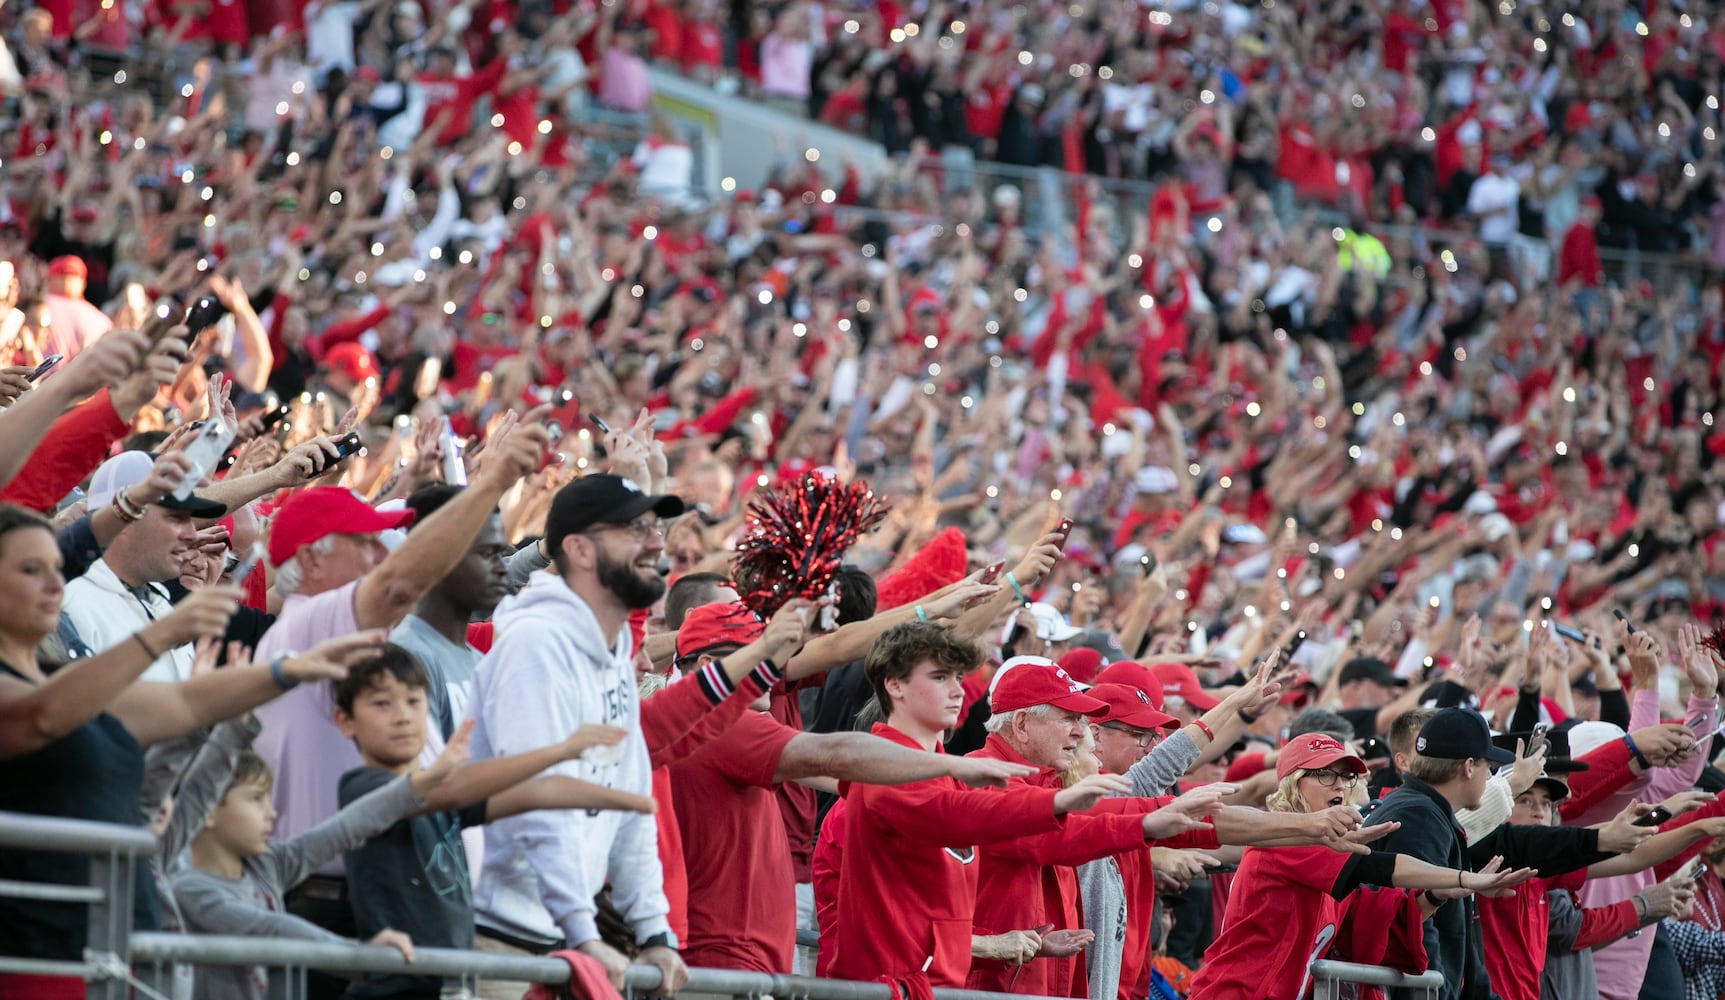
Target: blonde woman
column 1289, row 904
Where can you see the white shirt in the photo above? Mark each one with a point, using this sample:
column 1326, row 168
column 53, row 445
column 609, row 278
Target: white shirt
column 106, row 613
column 1492, row 200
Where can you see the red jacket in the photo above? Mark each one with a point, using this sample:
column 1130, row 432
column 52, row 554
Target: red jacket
column 81, row 439
column 1019, row 890
column 908, row 876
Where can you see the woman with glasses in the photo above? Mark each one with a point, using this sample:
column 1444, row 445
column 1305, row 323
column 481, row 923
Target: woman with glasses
column 1290, row 905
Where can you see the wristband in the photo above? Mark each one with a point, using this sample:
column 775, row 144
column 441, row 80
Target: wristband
column 921, row 615
column 138, row 637
column 282, row 680
column 1245, row 716
column 131, row 511
column 125, row 516
column 1641, row 903
column 1434, row 899
column 1458, row 878
column 663, row 939
column 1016, row 589
column 1635, row 751
column 1206, row 730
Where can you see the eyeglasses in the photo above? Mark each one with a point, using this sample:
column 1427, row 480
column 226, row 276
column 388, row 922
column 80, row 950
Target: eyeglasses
column 642, row 529
column 1145, row 740
column 1330, row 779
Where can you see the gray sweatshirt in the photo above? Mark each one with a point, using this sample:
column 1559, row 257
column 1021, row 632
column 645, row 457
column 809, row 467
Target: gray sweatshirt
column 1099, row 882
column 212, row 755
column 252, row 904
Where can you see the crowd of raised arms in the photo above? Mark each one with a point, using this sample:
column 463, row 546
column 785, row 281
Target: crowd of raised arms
column 1313, row 552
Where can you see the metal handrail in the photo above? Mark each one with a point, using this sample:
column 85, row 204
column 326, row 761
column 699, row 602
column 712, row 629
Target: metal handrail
column 72, row 836
column 1327, row 977
column 208, row 949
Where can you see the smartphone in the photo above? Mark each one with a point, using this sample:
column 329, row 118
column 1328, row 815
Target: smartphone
column 203, row 452
column 1147, row 563
column 348, row 446
column 454, row 470
column 993, row 571
column 159, row 327
column 204, row 313
column 1659, row 815
column 45, row 367
column 604, row 428
column 275, row 416
column 1064, row 530
column 1569, row 632
column 244, row 567
column 1624, row 619
column 1293, row 647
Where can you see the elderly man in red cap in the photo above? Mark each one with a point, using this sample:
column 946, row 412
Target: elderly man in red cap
column 76, row 324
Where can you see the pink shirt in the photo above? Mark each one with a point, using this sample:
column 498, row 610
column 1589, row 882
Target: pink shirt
column 300, row 740
column 74, row 325
column 785, row 65
column 623, row 81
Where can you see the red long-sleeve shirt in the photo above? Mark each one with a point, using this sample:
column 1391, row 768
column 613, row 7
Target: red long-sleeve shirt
column 80, row 440
column 1579, row 258
column 1607, row 771
column 908, row 887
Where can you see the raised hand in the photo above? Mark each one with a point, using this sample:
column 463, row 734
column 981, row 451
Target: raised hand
column 1685, row 802
column 453, row 757
column 1527, row 767
column 788, row 629
column 170, row 470
column 108, row 362
column 1359, row 841
column 1089, row 791
column 202, row 614
column 1621, row 835
column 328, row 661
column 593, row 735
column 1493, row 883
column 967, row 594
column 14, row 383
column 1699, row 663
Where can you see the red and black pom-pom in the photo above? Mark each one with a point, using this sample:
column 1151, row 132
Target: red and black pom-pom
column 797, row 537
column 1715, row 640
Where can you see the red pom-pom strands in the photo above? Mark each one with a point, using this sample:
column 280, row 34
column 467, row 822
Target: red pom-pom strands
column 1716, row 640
column 797, row 537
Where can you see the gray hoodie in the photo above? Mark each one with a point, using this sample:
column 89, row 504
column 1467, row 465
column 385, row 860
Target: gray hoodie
column 550, row 671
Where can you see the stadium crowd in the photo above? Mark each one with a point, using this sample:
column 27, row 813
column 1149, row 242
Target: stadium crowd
column 377, row 443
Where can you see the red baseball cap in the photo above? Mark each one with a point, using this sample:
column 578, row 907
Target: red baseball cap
column 1134, row 675
column 1314, row 752
column 325, row 510
column 1029, row 685
column 1178, row 681
column 68, row 264
column 1081, row 664
column 713, row 625
column 1131, row 706
column 351, row 360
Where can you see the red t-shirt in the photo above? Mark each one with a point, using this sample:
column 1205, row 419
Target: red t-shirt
column 796, row 802
column 1515, row 928
column 742, row 908
column 1281, row 919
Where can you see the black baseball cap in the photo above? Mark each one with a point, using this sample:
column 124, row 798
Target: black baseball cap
column 1459, row 734
column 1370, row 668
column 602, row 499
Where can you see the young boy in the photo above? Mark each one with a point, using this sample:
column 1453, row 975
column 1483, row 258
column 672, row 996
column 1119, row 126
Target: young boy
column 238, row 879
column 414, row 875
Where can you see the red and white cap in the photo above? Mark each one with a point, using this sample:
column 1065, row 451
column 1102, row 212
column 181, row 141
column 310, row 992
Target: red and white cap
column 1314, row 752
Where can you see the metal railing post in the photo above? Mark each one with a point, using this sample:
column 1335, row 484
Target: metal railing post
column 110, row 922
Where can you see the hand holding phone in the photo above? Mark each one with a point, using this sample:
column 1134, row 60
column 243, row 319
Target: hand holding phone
column 203, row 452
column 45, row 367
column 993, row 571
column 1658, row 816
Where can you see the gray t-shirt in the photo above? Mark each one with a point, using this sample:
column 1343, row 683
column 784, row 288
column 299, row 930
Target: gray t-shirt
column 413, row 878
column 253, row 903
column 449, row 668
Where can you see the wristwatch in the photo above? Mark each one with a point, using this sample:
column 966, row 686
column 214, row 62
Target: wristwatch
column 663, row 939
column 1434, row 899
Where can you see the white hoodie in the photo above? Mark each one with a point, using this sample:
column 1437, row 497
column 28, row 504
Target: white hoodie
column 550, row 671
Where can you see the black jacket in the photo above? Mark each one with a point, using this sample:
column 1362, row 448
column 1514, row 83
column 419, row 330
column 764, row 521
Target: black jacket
column 1430, row 832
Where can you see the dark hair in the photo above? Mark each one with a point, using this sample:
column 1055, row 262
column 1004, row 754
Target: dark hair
column 1321, row 720
column 249, row 769
column 690, row 592
column 14, row 518
column 391, row 660
column 426, row 500
column 897, row 653
column 144, row 441
column 857, row 595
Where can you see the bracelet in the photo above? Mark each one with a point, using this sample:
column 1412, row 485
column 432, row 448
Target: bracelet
column 1206, row 730
column 129, row 510
column 1434, row 899
column 138, row 637
column 921, row 615
column 1635, row 751
column 1016, row 589
column 1458, row 878
column 1642, row 902
column 282, row 680
column 1245, row 716
column 120, row 512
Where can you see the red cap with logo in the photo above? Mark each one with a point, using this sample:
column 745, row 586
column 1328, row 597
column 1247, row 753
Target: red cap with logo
column 1081, row 664
column 1314, row 752
column 711, row 626
column 1030, row 685
column 1134, row 675
column 325, row 510
column 1130, row 706
column 1178, row 681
